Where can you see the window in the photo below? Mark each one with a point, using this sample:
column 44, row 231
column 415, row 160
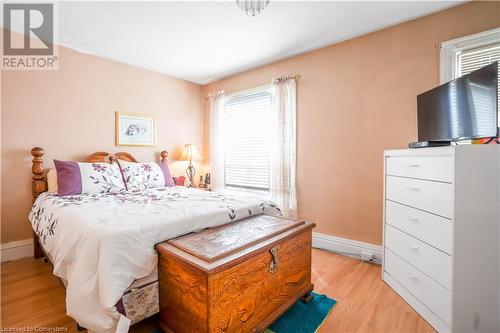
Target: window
column 470, row 60
column 246, row 139
column 464, row 55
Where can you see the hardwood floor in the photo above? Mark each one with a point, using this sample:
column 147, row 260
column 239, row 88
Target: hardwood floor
column 32, row 296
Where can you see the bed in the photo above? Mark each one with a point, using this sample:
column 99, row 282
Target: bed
column 102, row 245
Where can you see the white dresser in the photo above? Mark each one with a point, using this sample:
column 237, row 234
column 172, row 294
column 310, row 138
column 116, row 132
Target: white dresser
column 442, row 234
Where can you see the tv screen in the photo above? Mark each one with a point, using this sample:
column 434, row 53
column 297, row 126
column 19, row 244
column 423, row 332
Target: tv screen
column 465, row 108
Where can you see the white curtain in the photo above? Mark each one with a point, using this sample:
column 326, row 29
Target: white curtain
column 217, row 108
column 283, row 189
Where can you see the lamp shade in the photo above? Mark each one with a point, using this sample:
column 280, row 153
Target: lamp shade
column 189, row 153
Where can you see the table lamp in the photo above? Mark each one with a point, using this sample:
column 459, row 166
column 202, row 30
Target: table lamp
column 190, row 153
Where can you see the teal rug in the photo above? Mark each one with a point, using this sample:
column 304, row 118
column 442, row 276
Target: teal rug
column 302, row 317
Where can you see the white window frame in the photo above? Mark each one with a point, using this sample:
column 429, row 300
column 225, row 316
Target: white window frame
column 449, row 51
column 235, row 189
column 249, row 91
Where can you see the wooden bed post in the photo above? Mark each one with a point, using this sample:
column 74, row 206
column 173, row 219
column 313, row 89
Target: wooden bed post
column 164, row 155
column 37, row 187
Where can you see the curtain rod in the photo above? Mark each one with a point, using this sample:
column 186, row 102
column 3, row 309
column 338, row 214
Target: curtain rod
column 296, row 77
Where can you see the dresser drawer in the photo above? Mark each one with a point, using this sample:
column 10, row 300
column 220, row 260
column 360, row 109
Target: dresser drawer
column 428, row 259
column 432, row 229
column 424, row 167
column 433, row 295
column 434, row 197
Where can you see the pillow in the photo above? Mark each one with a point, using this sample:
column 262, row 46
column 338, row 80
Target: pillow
column 52, row 181
column 83, row 178
column 140, row 176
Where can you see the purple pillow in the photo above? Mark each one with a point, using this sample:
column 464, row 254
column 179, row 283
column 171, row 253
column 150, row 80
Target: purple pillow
column 69, row 179
column 169, row 180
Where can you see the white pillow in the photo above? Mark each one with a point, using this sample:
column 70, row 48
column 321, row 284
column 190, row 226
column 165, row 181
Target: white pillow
column 141, row 176
column 52, row 181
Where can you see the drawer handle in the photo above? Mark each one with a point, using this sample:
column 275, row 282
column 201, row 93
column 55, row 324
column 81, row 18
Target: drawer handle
column 413, row 188
column 411, row 246
column 409, row 276
column 413, row 219
column 413, row 165
column 273, row 265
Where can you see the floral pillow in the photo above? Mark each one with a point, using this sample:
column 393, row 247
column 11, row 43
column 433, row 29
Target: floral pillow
column 82, row 178
column 141, row 176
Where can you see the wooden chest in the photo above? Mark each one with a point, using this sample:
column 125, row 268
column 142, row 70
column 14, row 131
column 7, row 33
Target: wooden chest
column 238, row 277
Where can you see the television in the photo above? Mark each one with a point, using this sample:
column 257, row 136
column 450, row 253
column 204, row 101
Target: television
column 462, row 109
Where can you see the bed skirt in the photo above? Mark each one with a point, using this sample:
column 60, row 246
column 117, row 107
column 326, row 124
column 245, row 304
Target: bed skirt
column 140, row 303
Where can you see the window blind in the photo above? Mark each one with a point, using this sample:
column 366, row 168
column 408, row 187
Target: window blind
column 470, row 60
column 246, row 151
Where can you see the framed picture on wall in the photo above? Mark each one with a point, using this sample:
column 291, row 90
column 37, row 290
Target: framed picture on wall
column 133, row 129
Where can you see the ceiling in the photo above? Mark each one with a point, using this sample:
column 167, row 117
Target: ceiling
column 206, row 41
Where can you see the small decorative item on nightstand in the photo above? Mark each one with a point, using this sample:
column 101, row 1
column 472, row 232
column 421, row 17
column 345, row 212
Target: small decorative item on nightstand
column 190, row 153
column 179, row 181
column 202, row 185
column 205, row 184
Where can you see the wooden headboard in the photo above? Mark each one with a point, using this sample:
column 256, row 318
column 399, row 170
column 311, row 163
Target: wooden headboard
column 39, row 175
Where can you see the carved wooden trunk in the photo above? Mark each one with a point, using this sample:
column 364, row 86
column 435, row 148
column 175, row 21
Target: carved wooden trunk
column 236, row 278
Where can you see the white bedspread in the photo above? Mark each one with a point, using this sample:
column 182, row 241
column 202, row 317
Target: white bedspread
column 101, row 243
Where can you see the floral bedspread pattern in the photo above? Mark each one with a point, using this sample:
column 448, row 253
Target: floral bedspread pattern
column 100, row 243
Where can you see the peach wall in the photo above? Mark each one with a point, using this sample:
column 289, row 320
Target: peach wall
column 70, row 113
column 354, row 100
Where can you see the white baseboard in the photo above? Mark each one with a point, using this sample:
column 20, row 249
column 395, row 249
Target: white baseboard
column 346, row 246
column 17, row 250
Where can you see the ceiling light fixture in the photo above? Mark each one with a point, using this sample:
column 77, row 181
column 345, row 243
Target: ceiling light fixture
column 252, row 7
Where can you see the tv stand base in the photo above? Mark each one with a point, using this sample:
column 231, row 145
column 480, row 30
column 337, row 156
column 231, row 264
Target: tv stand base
column 427, row 144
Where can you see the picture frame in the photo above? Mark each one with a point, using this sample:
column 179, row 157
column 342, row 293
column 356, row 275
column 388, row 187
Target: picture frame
column 135, row 129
